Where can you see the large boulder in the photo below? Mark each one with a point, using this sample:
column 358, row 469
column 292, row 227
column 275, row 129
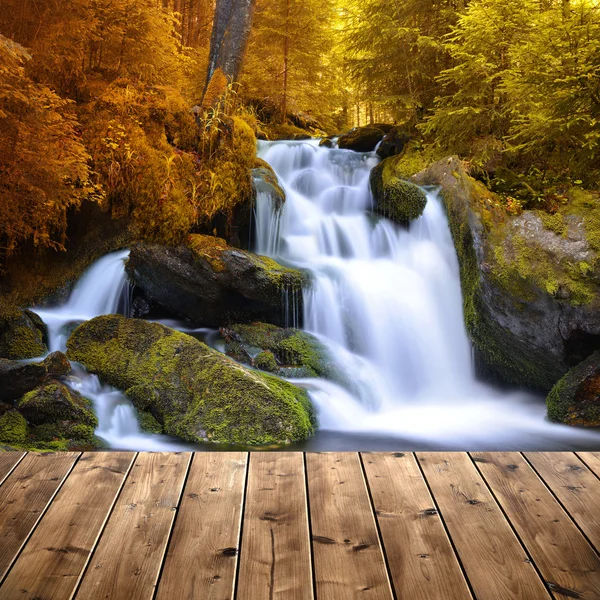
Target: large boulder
column 530, row 283
column 22, row 334
column 17, row 378
column 212, row 283
column 285, row 352
column 194, row 392
column 56, row 413
column 393, row 142
column 575, row 399
column 265, row 181
column 361, row 139
column 395, row 198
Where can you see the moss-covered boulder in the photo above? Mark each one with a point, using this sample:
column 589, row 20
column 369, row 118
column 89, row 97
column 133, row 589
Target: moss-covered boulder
column 285, row 352
column 18, row 378
column 393, row 142
column 13, row 429
column 531, row 288
column 211, row 283
column 327, row 143
column 265, row 181
column 194, row 392
column 22, row 334
column 361, row 139
column 575, row 399
column 395, row 198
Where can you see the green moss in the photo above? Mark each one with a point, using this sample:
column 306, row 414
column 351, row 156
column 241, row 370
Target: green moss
column 265, row 361
column 13, row 428
column 199, row 393
column 586, row 205
column 555, row 222
column 209, row 248
column 396, row 199
column 282, row 277
column 411, row 161
column 148, row 423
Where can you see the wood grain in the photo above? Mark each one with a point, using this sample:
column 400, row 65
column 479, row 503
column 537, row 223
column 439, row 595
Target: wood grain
column 421, row 559
column 275, row 559
column 348, row 558
column 8, row 461
column 493, row 559
column 203, row 552
column 129, row 555
column 51, row 563
column 565, row 559
column 574, row 485
column 24, row 497
column 592, row 460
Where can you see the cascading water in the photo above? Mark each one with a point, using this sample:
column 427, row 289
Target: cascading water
column 102, row 290
column 387, row 303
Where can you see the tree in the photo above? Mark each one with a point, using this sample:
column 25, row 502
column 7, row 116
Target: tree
column 232, row 24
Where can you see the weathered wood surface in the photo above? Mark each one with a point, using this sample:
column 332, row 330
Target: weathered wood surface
column 288, row 526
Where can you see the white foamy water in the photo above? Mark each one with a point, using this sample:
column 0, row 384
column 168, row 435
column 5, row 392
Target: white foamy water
column 387, row 303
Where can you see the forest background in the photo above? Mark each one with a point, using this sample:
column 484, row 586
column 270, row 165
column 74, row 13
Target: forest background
column 137, row 119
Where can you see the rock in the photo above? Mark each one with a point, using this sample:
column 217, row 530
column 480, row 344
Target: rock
column 395, row 198
column 575, row 399
column 327, row 142
column 361, row 139
column 22, row 334
column 286, row 352
column 17, row 378
column 13, row 429
column 531, row 295
column 194, row 392
column 393, row 142
column 211, row 283
column 265, row 181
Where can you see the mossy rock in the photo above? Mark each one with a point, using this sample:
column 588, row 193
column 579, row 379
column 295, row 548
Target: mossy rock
column 327, row 143
column 266, row 181
column 531, row 291
column 285, row 352
column 361, row 139
column 22, row 334
column 54, row 402
column 575, row 399
column 394, row 142
column 395, row 198
column 147, row 422
column 14, row 429
column 211, row 283
column 199, row 394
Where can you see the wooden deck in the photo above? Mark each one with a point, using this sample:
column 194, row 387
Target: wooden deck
column 289, row 526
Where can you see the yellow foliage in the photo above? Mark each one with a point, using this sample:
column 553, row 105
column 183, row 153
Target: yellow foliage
column 216, row 90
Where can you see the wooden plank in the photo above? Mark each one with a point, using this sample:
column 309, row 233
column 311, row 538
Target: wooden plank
column 24, row 497
column 202, row 556
column 8, row 461
column 348, row 559
column 53, row 560
column 592, row 460
column 127, row 560
column 493, row 559
column 421, row 559
column 574, row 485
column 275, row 556
column 565, row 559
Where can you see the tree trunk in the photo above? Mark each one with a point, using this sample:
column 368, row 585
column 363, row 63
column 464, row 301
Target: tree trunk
column 286, row 52
column 231, row 30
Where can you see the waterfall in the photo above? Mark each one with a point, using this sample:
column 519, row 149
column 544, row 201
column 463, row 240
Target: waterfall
column 387, row 303
column 103, row 289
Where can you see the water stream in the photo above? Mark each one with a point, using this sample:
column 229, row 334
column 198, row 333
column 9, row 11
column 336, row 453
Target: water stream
column 385, row 300
column 387, row 303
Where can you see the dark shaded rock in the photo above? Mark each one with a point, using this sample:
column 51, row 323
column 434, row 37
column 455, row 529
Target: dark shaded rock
column 395, row 198
column 265, row 181
column 327, row 142
column 531, row 295
column 17, row 378
column 22, row 334
column 393, row 142
column 361, row 139
column 211, row 283
column 575, row 399
column 194, row 392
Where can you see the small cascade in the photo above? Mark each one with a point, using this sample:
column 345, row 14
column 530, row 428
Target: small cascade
column 290, row 306
column 267, row 222
column 103, row 289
